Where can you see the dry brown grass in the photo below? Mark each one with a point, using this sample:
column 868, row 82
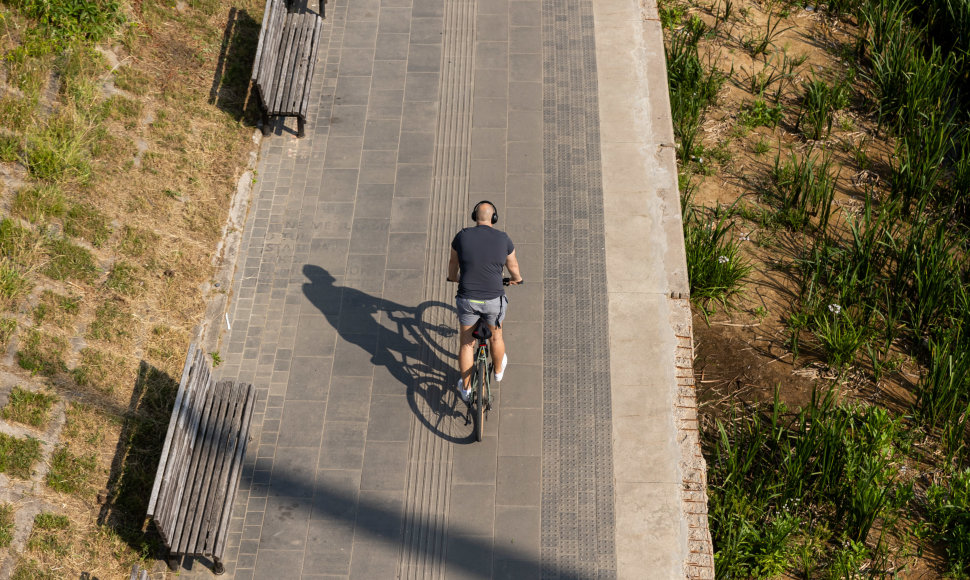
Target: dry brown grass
column 156, row 166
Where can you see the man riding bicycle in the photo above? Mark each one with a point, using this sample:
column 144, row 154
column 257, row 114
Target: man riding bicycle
column 480, row 253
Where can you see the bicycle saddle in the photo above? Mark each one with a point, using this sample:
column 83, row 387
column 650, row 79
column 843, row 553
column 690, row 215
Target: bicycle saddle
column 482, row 331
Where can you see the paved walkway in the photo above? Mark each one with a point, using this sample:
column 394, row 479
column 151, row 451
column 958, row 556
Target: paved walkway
column 362, row 463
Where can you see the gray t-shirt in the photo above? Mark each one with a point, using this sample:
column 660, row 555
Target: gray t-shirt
column 482, row 253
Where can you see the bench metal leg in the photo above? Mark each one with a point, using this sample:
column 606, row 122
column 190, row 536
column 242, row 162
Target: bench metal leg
column 218, row 569
column 266, row 128
column 173, row 562
column 300, row 125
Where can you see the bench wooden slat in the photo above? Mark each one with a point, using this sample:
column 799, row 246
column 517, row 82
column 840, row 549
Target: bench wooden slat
column 185, row 427
column 163, row 460
column 245, row 418
column 298, row 83
column 196, row 469
column 317, row 26
column 212, row 464
column 286, row 58
column 218, row 473
column 183, row 453
column 293, row 66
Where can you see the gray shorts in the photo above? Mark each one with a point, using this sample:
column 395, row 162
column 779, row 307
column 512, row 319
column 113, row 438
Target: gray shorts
column 470, row 310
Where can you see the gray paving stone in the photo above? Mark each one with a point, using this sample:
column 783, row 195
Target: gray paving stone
column 492, row 27
column 378, row 167
column 491, row 83
column 373, row 201
column 413, row 181
column 389, row 419
column 278, row 564
column 356, row 61
column 389, row 75
column 329, row 546
column 421, row 86
column 385, row 466
column 424, row 58
column 419, row 115
column 476, row 463
column 284, row 525
column 466, row 521
column 517, row 482
column 469, row 557
column 343, row 445
column 294, row 472
column 360, row 34
column 406, row 250
column 409, row 215
column 352, row 357
column 490, row 113
column 343, row 153
column 365, row 272
column 426, row 30
column 302, row 423
column 416, row 147
column 385, row 105
column 392, row 46
column 349, row 399
column 347, row 120
column 492, row 55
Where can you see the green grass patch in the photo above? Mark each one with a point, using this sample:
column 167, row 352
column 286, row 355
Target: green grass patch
column 68, row 260
column 98, row 370
column 90, row 20
column 819, row 104
column 17, row 456
column 30, row 569
column 42, row 354
column 58, row 150
column 136, row 242
column 132, row 80
column 70, row 473
column 6, row 524
column 85, row 425
column 123, row 108
column 111, row 323
column 8, row 326
column 16, row 114
column 759, row 113
column 10, row 148
column 86, row 222
column 13, row 285
column 51, row 521
column 28, row 407
column 124, row 279
column 40, row 203
column 56, row 309
column 17, row 244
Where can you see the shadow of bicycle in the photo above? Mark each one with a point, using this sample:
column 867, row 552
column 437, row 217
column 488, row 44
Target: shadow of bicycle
column 416, row 344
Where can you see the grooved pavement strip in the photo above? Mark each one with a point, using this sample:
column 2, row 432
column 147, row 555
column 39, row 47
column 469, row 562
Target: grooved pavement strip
column 362, row 462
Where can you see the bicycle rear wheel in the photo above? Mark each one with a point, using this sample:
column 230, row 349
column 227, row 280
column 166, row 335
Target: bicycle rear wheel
column 480, row 394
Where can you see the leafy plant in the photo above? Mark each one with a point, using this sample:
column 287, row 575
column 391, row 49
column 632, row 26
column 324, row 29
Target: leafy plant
column 37, row 204
column 802, row 187
column 758, row 113
column 819, row 103
column 693, row 87
column 715, row 266
column 949, row 510
column 840, row 336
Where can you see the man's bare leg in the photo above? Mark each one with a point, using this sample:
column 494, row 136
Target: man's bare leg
column 497, row 346
column 466, row 355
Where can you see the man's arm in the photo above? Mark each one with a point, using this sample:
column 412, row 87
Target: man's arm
column 513, row 265
column 453, row 266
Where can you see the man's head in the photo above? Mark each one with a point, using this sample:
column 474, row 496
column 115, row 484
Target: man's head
column 485, row 213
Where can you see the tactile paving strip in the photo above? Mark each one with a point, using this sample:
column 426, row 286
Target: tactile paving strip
column 577, row 519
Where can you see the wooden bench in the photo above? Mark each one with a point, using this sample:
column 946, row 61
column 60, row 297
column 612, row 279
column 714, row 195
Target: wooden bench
column 285, row 58
column 199, row 470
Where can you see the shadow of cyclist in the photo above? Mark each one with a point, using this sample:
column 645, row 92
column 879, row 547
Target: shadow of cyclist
column 412, row 342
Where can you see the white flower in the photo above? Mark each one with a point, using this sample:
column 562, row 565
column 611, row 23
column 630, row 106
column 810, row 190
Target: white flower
column 745, row 237
column 722, row 260
column 835, row 308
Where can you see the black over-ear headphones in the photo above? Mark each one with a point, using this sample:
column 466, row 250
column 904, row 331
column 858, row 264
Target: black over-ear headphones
column 494, row 212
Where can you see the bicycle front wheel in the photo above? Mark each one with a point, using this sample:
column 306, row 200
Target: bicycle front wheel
column 480, row 402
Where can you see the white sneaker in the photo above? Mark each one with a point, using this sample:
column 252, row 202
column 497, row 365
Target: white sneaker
column 464, row 393
column 505, row 365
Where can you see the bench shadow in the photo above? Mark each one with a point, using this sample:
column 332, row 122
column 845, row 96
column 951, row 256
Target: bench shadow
column 413, row 343
column 230, row 80
column 136, row 460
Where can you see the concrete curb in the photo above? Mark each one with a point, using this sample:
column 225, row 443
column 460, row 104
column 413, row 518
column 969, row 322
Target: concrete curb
column 661, row 498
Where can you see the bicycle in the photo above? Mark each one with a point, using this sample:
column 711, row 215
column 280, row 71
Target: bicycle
column 480, row 399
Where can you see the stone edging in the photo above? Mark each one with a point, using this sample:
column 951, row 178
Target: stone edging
column 700, row 556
